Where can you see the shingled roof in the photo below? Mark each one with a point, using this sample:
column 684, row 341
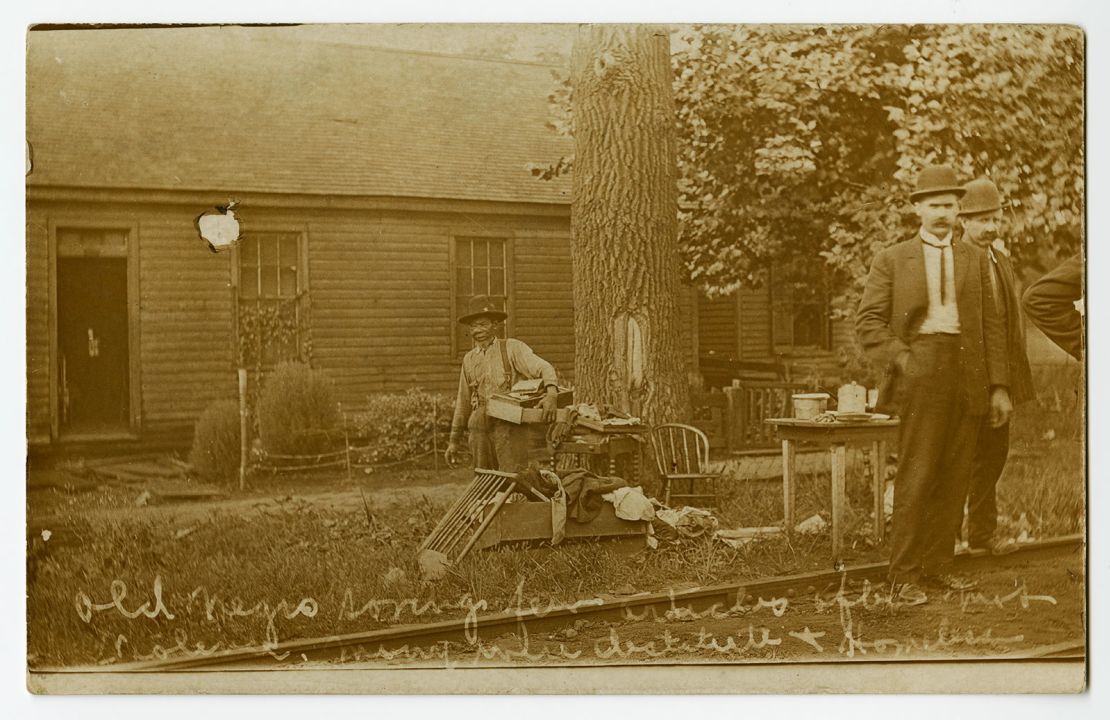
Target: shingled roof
column 259, row 110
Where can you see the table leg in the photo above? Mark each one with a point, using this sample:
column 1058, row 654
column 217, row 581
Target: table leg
column 878, row 468
column 838, row 460
column 788, row 485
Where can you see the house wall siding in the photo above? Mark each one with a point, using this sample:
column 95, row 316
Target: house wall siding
column 38, row 325
column 380, row 285
column 755, row 323
column 184, row 309
column 186, row 332
column 380, row 290
column 717, row 325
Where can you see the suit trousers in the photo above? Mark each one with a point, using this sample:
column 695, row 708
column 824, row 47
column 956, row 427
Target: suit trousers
column 936, row 446
column 991, row 452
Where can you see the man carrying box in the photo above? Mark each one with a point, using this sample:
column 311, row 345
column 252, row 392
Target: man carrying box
column 492, row 366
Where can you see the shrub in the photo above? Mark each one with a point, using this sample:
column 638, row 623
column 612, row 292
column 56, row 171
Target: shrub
column 215, row 452
column 297, row 411
column 396, row 426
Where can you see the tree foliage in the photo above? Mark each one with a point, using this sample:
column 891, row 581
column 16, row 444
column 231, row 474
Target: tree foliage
column 799, row 145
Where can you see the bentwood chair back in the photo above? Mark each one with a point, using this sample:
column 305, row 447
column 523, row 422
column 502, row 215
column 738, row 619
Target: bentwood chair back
column 682, row 456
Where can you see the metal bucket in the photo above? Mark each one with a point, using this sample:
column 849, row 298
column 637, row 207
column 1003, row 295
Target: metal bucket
column 809, row 405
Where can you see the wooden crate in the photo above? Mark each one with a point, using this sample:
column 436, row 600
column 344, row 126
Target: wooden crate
column 519, row 411
column 524, row 521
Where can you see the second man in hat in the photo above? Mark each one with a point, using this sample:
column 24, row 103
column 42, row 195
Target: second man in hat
column 981, row 215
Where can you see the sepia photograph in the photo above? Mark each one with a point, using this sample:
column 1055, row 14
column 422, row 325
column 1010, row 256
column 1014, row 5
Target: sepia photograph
column 455, row 358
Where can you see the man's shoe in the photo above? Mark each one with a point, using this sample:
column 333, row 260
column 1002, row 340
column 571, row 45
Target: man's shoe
column 996, row 546
column 999, row 546
column 908, row 594
column 951, row 582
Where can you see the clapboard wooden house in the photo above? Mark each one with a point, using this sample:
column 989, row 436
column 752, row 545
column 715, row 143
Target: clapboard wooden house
column 378, row 189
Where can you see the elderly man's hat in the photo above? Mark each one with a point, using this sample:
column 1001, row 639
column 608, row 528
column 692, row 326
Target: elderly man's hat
column 482, row 306
column 936, row 180
column 982, row 196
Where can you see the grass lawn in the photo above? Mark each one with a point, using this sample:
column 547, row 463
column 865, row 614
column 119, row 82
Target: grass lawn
column 299, row 558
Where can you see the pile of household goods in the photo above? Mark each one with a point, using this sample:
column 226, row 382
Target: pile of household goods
column 589, row 416
column 540, row 504
column 585, row 425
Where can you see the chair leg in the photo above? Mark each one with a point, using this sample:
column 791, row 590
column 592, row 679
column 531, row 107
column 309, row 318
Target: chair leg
column 666, row 491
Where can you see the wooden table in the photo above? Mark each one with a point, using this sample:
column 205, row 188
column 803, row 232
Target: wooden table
column 836, row 436
column 610, row 445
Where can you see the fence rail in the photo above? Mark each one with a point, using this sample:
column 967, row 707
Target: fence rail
column 733, row 418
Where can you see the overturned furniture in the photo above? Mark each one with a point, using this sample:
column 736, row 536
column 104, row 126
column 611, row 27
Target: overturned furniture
column 482, row 517
column 458, row 530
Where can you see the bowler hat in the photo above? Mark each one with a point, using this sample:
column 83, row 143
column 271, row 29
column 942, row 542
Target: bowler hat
column 482, row 306
column 982, row 196
column 935, row 180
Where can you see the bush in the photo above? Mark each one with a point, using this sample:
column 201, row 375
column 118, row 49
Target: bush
column 215, row 452
column 397, row 426
column 297, row 411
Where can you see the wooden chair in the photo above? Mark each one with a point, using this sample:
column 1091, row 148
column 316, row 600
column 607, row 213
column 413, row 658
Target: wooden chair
column 682, row 455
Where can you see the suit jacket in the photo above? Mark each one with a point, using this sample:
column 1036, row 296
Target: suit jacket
column 1021, row 377
column 1050, row 304
column 894, row 304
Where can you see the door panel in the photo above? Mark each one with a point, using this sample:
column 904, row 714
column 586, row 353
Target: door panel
column 93, row 347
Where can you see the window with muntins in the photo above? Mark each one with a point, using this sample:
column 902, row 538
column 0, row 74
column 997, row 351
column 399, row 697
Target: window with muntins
column 800, row 312
column 481, row 267
column 271, row 292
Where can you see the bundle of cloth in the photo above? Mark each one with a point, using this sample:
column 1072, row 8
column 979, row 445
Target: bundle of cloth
column 577, row 494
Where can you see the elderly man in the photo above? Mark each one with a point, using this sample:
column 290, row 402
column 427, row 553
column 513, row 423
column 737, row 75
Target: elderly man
column 924, row 318
column 981, row 215
column 492, row 366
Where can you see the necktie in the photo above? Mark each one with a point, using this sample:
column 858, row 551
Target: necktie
column 996, row 272
column 943, row 267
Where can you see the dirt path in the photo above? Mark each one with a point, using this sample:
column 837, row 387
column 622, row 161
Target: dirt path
column 1015, row 609
column 54, row 502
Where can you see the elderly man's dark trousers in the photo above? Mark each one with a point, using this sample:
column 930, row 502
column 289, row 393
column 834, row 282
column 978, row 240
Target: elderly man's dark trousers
column 500, row 445
column 982, row 507
column 936, row 446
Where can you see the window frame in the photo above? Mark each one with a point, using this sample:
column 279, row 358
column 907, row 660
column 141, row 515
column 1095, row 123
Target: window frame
column 236, row 258
column 791, row 347
column 456, row 346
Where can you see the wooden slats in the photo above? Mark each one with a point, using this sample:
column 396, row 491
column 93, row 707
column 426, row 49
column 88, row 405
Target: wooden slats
column 717, row 325
column 468, row 517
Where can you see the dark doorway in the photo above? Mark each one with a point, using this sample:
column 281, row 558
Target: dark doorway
column 93, row 359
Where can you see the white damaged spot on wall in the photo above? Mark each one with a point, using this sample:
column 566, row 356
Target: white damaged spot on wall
column 219, row 227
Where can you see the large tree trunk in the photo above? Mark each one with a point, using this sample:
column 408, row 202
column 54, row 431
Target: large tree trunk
column 624, row 222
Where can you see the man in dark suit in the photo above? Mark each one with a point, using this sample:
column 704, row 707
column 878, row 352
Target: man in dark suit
column 923, row 318
column 1050, row 304
column 981, row 215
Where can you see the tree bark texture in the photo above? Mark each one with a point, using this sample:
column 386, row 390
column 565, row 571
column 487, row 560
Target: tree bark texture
column 624, row 224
